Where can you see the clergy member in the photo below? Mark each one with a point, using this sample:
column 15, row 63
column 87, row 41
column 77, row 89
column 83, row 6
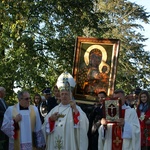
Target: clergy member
column 22, row 125
column 124, row 134
column 66, row 125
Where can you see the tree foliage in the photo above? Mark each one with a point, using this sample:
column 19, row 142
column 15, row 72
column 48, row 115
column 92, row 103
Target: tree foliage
column 38, row 39
column 123, row 21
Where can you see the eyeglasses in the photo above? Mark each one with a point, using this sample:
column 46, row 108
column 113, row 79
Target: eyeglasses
column 47, row 94
column 28, row 98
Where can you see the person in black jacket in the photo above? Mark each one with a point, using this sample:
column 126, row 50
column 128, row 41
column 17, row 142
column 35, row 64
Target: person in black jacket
column 94, row 121
column 3, row 107
column 49, row 103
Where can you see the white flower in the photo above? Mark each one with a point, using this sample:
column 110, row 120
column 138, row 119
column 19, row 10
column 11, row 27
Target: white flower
column 142, row 117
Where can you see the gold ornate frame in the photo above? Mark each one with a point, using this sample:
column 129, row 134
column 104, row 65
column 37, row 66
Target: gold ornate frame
column 95, row 66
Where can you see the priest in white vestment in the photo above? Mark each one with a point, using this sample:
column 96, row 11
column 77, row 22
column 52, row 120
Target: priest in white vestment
column 123, row 135
column 22, row 125
column 66, row 125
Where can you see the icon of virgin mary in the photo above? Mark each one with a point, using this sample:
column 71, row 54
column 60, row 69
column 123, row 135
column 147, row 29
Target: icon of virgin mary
column 97, row 70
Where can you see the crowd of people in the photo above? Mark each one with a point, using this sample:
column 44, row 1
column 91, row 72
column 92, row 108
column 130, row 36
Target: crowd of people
column 58, row 122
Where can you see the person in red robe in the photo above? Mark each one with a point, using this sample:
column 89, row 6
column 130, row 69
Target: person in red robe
column 143, row 111
column 123, row 133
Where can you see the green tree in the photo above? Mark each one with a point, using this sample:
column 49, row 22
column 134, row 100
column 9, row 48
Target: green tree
column 123, row 22
column 38, row 40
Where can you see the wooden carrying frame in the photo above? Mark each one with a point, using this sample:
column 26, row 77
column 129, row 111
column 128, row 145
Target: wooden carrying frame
column 95, row 66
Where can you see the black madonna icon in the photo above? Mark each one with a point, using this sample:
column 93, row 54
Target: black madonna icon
column 95, row 63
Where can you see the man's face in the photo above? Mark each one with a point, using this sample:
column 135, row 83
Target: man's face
column 121, row 96
column 56, row 92
column 47, row 95
column 101, row 96
column 25, row 100
column 2, row 94
column 65, row 97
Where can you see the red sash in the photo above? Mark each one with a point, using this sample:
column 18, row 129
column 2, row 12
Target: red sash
column 117, row 134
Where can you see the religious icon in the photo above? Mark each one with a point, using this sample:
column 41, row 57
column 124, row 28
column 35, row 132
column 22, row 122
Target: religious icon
column 97, row 75
column 95, row 64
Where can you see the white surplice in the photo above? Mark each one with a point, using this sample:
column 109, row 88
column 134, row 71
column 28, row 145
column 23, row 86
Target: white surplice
column 66, row 135
column 130, row 135
column 24, row 127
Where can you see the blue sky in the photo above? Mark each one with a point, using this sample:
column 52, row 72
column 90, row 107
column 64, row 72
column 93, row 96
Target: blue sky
column 146, row 32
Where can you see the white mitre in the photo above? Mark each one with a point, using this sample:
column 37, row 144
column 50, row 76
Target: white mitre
column 64, row 79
